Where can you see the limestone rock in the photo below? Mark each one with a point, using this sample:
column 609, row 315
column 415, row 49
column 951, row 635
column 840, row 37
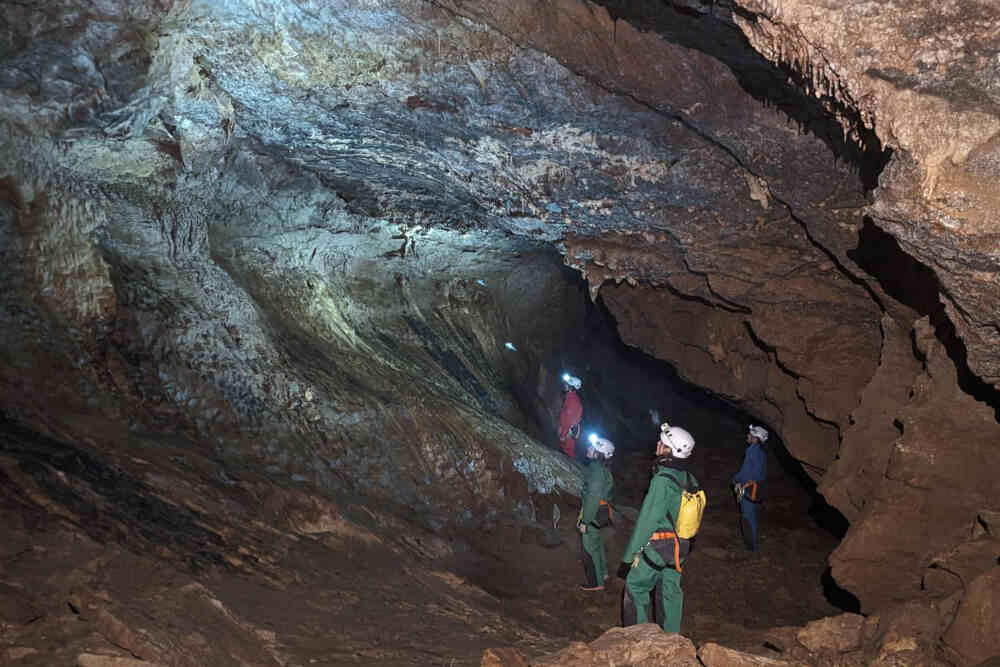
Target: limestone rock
column 938, row 476
column 97, row 660
column 713, row 655
column 836, row 633
column 644, row 644
column 944, row 166
column 906, row 634
column 974, row 635
column 502, row 657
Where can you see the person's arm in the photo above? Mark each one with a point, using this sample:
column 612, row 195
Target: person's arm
column 649, row 519
column 591, row 494
column 564, row 422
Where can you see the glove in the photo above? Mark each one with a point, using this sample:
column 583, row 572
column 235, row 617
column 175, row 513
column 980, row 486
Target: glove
column 582, row 527
column 635, row 561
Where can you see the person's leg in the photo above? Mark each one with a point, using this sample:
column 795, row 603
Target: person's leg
column 600, row 557
column 673, row 600
column 749, row 516
column 748, row 524
column 638, row 584
column 593, row 556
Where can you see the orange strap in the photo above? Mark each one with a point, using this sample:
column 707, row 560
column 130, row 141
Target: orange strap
column 753, row 489
column 611, row 510
column 668, row 535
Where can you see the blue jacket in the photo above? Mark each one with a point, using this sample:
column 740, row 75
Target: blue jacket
column 754, row 465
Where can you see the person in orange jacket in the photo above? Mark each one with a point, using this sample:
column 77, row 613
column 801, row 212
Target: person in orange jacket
column 570, row 416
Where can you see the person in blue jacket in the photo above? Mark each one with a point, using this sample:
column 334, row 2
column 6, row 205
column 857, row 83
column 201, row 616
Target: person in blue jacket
column 746, row 484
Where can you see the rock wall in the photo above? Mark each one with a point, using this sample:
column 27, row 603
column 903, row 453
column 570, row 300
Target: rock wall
column 268, row 324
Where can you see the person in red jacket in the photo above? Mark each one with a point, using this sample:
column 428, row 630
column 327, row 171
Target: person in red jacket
column 570, row 416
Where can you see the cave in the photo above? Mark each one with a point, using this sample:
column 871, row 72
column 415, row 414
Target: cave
column 290, row 287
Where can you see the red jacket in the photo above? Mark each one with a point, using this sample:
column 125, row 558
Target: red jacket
column 572, row 413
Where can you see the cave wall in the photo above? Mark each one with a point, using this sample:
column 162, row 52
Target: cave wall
column 935, row 103
column 263, row 321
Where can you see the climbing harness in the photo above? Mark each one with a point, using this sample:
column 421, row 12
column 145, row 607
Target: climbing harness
column 741, row 491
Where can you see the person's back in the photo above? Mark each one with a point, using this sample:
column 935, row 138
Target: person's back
column 596, row 513
column 570, row 415
column 655, row 551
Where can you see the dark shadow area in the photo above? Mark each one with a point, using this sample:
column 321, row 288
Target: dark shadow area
column 824, row 515
column 839, row 597
column 902, row 277
column 622, row 384
column 112, row 505
column 628, row 387
column 707, row 28
column 912, row 283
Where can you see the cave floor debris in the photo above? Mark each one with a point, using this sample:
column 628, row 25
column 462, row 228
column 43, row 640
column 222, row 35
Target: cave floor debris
column 292, row 580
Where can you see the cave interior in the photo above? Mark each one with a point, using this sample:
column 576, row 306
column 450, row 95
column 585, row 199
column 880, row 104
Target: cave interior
column 290, row 288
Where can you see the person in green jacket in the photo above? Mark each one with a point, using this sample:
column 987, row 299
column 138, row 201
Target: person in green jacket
column 598, row 489
column 654, row 554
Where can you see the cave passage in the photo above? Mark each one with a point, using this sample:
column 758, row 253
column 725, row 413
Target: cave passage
column 626, row 394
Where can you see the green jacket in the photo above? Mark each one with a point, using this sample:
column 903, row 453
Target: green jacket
column 664, row 495
column 597, row 486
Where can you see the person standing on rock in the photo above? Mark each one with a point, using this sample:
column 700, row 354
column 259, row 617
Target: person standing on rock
column 570, row 415
column 598, row 493
column 654, row 553
column 746, row 484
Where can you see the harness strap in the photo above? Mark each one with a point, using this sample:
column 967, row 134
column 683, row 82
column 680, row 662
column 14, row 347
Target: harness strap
column 670, row 535
column 611, row 513
column 753, row 490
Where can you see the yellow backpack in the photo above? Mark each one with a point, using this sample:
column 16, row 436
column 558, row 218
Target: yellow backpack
column 693, row 501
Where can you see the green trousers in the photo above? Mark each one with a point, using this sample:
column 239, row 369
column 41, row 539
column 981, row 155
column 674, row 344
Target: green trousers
column 593, row 551
column 644, row 579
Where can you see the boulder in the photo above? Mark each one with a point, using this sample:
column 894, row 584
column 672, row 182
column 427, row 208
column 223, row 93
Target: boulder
column 835, row 633
column 502, row 657
column 974, row 635
column 647, row 645
column 713, row 655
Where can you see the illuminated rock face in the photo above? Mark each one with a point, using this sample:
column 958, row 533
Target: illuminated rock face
column 302, row 232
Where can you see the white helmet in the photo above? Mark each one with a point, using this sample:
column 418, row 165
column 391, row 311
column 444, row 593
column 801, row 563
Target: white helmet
column 758, row 432
column 603, row 445
column 574, row 382
column 679, row 441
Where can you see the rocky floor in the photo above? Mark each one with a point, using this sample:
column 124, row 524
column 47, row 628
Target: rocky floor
column 144, row 554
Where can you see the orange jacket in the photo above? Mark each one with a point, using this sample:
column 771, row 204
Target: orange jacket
column 572, row 413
